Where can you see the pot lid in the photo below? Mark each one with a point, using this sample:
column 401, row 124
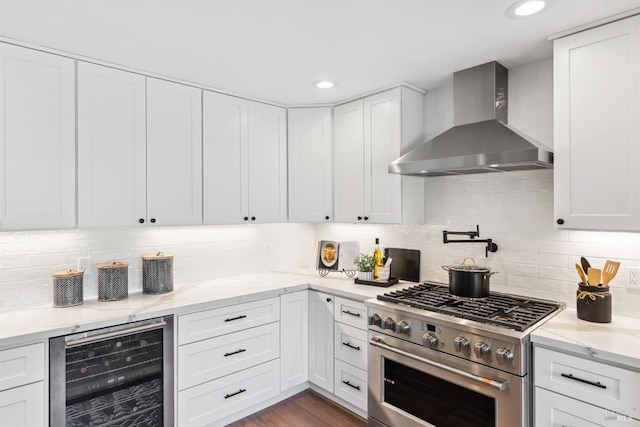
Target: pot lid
column 463, row 266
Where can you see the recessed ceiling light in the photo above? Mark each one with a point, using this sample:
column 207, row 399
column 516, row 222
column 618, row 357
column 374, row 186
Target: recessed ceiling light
column 324, row 84
column 523, row 8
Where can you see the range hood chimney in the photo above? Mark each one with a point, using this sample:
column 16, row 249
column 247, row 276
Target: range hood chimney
column 480, row 140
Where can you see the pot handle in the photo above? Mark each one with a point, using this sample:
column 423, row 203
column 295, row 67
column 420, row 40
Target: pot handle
column 445, row 267
column 491, row 273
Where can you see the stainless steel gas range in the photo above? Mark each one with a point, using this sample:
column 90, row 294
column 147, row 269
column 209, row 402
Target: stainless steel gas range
column 440, row 360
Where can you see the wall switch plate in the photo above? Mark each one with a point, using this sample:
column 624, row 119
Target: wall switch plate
column 83, row 263
column 634, row 278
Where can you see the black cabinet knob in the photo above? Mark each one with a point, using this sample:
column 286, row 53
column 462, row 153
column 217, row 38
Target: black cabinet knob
column 141, row 220
column 153, row 220
column 366, row 218
column 560, row 221
column 326, row 217
column 328, row 299
column 246, row 218
column 359, row 218
column 253, row 218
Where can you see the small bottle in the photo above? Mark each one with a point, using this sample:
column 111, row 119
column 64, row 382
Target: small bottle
column 377, row 257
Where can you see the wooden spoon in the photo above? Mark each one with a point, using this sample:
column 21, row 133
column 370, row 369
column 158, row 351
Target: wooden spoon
column 609, row 272
column 594, row 275
column 582, row 275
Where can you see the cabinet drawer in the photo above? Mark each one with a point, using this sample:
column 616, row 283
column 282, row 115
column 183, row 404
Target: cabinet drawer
column 212, row 323
column 23, row 406
column 599, row 384
column 209, row 402
column 351, row 384
column 555, row 410
column 350, row 312
column 351, row 345
column 21, row 365
column 213, row 358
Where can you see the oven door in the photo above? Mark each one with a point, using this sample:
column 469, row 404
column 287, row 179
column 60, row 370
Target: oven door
column 406, row 389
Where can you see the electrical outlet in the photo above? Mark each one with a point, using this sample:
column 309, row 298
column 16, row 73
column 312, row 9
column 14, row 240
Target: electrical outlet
column 634, row 278
column 83, row 263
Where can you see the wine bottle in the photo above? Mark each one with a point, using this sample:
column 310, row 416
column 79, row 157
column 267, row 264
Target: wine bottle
column 377, row 257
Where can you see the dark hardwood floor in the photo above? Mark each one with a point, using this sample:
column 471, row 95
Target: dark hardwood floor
column 305, row 409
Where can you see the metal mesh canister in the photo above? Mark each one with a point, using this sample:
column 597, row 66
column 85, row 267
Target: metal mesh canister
column 113, row 282
column 157, row 273
column 67, row 288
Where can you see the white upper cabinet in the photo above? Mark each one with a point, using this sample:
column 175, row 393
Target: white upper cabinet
column 310, row 165
column 368, row 135
column 597, row 128
column 244, row 161
column 37, row 140
column 111, row 147
column 174, row 153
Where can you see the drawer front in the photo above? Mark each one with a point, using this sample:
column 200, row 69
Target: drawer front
column 212, row 401
column 350, row 345
column 23, row 406
column 552, row 409
column 351, row 384
column 212, row 323
column 350, row 312
column 206, row 360
column 21, row 365
column 606, row 386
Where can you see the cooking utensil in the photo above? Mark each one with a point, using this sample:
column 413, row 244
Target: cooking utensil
column 594, row 275
column 466, row 280
column 585, row 265
column 582, row 274
column 609, row 272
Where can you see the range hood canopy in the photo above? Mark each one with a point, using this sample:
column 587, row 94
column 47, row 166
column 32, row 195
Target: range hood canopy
column 480, row 140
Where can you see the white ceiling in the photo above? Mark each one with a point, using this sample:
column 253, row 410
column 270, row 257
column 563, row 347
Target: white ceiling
column 275, row 49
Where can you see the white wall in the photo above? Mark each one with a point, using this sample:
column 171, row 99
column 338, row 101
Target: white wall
column 27, row 259
column 515, row 209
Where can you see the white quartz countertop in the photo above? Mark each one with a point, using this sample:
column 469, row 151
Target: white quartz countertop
column 616, row 342
column 24, row 325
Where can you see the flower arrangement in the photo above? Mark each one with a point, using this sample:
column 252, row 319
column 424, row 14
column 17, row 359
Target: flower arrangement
column 365, row 262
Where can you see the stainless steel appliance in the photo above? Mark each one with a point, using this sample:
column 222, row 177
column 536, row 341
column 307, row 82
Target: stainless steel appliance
column 436, row 359
column 121, row 375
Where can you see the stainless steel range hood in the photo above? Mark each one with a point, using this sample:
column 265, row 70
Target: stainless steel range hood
column 480, row 140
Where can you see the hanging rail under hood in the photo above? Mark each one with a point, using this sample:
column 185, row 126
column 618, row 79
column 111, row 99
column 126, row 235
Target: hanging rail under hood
column 480, row 140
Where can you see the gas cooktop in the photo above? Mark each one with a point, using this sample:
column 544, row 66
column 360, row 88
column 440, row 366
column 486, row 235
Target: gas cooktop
column 504, row 310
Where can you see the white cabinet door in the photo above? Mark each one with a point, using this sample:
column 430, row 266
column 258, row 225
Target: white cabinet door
column 310, row 165
column 294, row 339
column 37, row 139
column 382, row 190
column 174, row 153
column 597, row 128
column 224, row 148
column 348, row 160
column 111, row 147
column 267, row 164
column 321, row 340
column 23, row 406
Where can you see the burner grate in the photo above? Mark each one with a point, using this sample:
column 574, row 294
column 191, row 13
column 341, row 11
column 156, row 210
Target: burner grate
column 509, row 311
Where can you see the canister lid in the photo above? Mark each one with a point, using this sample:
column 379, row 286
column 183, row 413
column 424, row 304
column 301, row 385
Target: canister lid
column 114, row 264
column 158, row 256
column 67, row 273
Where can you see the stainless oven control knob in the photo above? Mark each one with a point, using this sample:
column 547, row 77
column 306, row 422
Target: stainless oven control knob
column 375, row 320
column 461, row 344
column 482, row 350
column 388, row 323
column 504, row 356
column 402, row 327
column 430, row 340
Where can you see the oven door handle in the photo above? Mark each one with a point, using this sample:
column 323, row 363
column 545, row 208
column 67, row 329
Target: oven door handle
column 378, row 342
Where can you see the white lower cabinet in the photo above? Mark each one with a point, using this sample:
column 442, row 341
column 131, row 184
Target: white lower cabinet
column 321, row 340
column 351, row 384
column 571, row 390
column 294, row 339
column 212, row 401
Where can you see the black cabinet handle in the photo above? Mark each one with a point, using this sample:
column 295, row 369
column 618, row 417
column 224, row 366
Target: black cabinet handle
column 326, row 217
column 235, row 318
column 153, row 220
column 242, row 350
column 351, row 346
column 366, row 218
column 141, row 220
column 560, row 221
column 328, row 299
column 571, row 377
column 350, row 313
column 357, row 387
column 246, row 218
column 359, row 218
column 242, row 390
column 253, row 218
